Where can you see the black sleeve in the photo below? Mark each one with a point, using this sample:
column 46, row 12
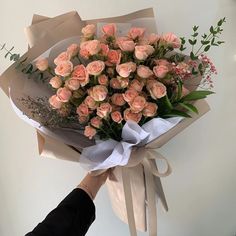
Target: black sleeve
column 72, row 217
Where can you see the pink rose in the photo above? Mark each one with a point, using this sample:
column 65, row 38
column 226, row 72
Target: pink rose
column 113, row 57
column 129, row 115
column 56, row 82
column 93, row 47
column 90, row 102
column 83, row 119
column 55, row 102
column 96, row 122
column 104, row 110
column 88, row 31
column 81, row 74
column 95, row 67
column 125, row 69
column 89, row 132
column 143, row 52
column 150, row 110
column 103, row 80
column 109, row 30
column 162, row 62
column 84, row 53
column 42, row 64
column 129, row 95
column 64, row 68
column 117, row 99
column 160, row 71
column 135, row 33
column 72, row 84
column 98, row 93
column 136, row 85
column 73, row 50
column 64, row 94
column 157, row 89
column 115, row 83
column 82, row 110
column 104, row 49
column 144, row 72
column 138, row 104
column 125, row 44
column 62, row 57
column 124, row 82
column 171, row 40
column 116, row 117
column 153, row 38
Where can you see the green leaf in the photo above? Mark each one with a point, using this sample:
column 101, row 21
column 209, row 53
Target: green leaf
column 205, row 42
column 168, row 103
column 193, row 57
column 207, row 48
column 195, row 28
column 212, row 30
column 189, row 107
column 196, row 95
column 175, row 113
column 179, row 86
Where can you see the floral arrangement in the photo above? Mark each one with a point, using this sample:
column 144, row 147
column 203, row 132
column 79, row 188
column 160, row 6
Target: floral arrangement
column 103, row 82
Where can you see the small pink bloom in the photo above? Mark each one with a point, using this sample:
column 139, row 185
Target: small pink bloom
column 72, row 84
column 138, row 104
column 157, row 89
column 136, row 85
column 143, row 52
column 160, row 71
column 109, row 30
column 62, row 57
column 96, row 122
column 104, row 49
column 144, row 72
column 88, row 31
column 125, row 69
column 129, row 115
column 113, row 57
column 103, row 80
column 81, row 74
column 135, row 33
column 64, row 94
column 104, row 110
column 90, row 102
column 150, row 110
column 171, row 40
column 125, row 44
column 116, row 117
column 73, row 50
column 55, row 102
column 56, row 82
column 42, row 64
column 82, row 110
column 95, row 67
column 89, row 132
column 64, row 68
column 129, row 95
column 117, row 99
column 98, row 93
column 153, row 38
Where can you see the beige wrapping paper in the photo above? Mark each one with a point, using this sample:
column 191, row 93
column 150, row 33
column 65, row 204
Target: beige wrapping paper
column 43, row 34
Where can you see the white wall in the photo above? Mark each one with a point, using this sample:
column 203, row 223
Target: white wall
column 202, row 189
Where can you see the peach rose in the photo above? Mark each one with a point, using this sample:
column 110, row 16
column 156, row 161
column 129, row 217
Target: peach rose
column 124, row 82
column 104, row 110
column 82, row 110
column 98, row 93
column 143, row 52
column 72, row 84
column 162, row 62
column 125, row 44
column 64, row 94
column 64, row 68
column 93, row 47
column 138, row 104
column 42, row 64
column 95, row 67
column 88, row 31
column 73, row 50
column 116, row 117
column 55, row 82
column 109, row 29
column 153, row 38
column 81, row 74
column 129, row 95
column 103, row 80
column 62, row 57
column 160, row 71
column 171, row 40
column 144, row 72
column 125, row 69
column 135, row 33
column 104, row 49
column 89, row 132
column 150, row 110
column 90, row 102
column 118, row 99
column 129, row 115
column 96, row 122
column 55, row 102
column 157, row 89
column 136, row 85
column 113, row 57
column 84, row 53
column 115, row 83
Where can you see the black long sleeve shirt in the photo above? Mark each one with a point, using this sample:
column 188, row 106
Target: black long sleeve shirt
column 72, row 217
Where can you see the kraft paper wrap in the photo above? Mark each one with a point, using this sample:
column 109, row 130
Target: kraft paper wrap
column 42, row 35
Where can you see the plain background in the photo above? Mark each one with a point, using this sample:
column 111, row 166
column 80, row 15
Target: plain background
column 201, row 191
